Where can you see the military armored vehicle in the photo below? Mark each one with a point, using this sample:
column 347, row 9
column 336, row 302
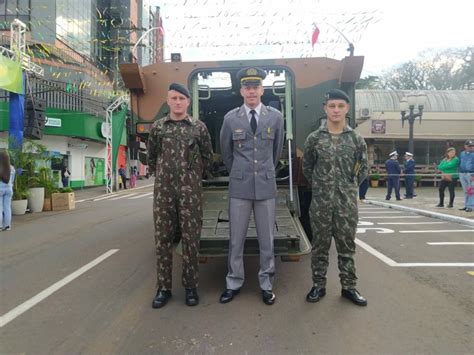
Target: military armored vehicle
column 296, row 87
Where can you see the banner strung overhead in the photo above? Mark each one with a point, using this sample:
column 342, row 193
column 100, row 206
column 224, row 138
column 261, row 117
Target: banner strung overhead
column 10, row 75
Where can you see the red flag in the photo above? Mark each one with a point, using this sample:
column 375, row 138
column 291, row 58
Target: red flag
column 314, row 37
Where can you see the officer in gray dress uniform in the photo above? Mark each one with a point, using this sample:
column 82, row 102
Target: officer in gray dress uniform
column 251, row 142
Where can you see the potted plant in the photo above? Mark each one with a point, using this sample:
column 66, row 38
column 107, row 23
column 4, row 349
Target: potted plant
column 417, row 180
column 45, row 180
column 20, row 194
column 64, row 199
column 374, row 179
column 24, row 160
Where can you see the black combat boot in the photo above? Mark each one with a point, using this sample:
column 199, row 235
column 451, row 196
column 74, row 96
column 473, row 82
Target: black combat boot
column 161, row 298
column 315, row 294
column 354, row 296
column 192, row 297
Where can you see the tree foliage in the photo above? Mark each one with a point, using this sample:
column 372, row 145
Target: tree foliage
column 450, row 69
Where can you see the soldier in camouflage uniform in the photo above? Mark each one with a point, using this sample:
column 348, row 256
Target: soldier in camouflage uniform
column 335, row 163
column 179, row 151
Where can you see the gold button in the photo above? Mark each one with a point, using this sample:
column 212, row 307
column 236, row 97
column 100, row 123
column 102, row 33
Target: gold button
column 255, row 161
column 254, row 137
column 255, row 149
column 255, row 173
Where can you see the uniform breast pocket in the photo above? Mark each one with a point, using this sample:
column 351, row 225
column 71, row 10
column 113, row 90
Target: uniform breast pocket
column 268, row 133
column 239, row 138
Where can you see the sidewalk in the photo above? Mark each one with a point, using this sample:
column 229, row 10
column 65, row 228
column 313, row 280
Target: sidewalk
column 426, row 200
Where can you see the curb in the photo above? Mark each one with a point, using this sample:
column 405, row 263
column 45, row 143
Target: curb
column 426, row 213
column 118, row 192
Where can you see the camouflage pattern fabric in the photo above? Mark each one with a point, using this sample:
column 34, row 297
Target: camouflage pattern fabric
column 178, row 154
column 334, row 165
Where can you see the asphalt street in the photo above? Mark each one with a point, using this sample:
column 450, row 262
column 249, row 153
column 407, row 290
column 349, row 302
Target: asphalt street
column 82, row 281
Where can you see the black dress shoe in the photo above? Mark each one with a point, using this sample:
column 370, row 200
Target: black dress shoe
column 450, row 206
column 228, row 295
column 439, row 205
column 192, row 297
column 354, row 296
column 268, row 297
column 315, row 294
column 161, row 298
column 468, row 210
column 462, row 209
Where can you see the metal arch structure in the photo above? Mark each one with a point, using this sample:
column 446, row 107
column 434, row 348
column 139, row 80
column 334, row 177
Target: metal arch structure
column 17, row 49
column 111, row 176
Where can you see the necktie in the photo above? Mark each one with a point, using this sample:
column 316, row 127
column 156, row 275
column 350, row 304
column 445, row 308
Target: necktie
column 253, row 121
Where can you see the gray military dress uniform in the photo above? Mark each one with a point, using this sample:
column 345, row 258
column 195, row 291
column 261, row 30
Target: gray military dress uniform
column 251, row 160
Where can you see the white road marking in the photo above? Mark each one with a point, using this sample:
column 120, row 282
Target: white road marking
column 15, row 312
column 379, row 212
column 441, row 231
column 376, row 253
column 450, row 243
column 123, row 196
column 376, row 229
column 435, row 265
column 104, row 198
column 80, row 201
column 393, row 263
column 411, row 223
column 140, row 196
column 392, row 217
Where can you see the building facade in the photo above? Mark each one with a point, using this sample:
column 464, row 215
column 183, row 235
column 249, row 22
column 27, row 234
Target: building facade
column 448, row 120
column 79, row 44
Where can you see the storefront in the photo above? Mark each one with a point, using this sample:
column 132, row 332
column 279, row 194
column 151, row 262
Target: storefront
column 74, row 140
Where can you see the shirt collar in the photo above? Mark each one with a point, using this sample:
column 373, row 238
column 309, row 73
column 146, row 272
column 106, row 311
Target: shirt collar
column 324, row 128
column 187, row 119
column 257, row 109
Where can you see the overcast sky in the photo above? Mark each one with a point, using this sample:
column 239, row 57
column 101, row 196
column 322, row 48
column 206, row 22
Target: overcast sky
column 387, row 33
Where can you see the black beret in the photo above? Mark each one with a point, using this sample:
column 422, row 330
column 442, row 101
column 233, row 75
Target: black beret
column 336, row 94
column 181, row 89
column 469, row 142
column 251, row 76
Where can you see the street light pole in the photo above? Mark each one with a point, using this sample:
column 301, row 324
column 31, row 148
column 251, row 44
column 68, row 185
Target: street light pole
column 409, row 103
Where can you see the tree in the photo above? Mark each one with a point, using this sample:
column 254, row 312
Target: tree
column 450, row 69
column 369, row 82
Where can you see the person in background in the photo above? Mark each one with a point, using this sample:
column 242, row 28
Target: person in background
column 65, row 174
column 123, row 175
column 363, row 187
column 7, row 177
column 393, row 175
column 449, row 167
column 409, row 172
column 133, row 177
column 466, row 170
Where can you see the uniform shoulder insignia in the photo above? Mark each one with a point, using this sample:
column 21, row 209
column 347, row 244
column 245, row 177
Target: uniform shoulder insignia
column 273, row 109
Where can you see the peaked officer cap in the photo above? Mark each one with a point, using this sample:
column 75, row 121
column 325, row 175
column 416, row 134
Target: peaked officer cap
column 181, row 89
column 393, row 153
column 409, row 154
column 336, row 94
column 251, row 76
column 469, row 142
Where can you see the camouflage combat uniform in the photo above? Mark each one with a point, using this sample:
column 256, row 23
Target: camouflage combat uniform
column 334, row 165
column 178, row 154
